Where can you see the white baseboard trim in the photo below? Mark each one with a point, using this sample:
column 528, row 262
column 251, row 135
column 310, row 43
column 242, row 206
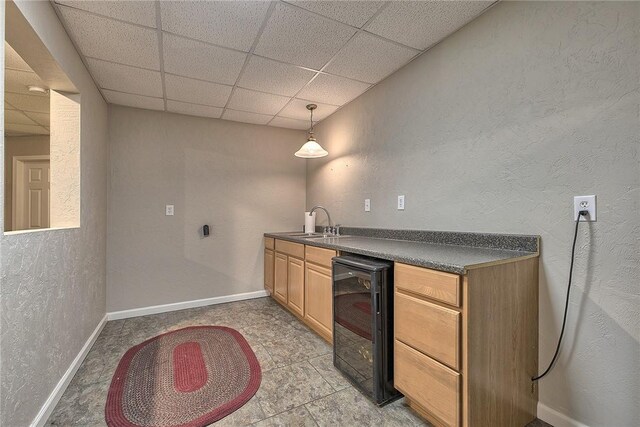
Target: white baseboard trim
column 555, row 418
column 155, row 309
column 58, row 391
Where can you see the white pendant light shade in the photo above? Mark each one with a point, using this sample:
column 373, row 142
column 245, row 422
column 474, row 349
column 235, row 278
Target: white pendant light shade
column 311, row 149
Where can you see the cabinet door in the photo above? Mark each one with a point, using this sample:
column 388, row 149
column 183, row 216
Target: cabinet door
column 269, row 259
column 280, row 278
column 296, row 285
column 318, row 299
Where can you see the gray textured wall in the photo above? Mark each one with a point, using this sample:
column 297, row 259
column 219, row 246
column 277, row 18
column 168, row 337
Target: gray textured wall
column 240, row 179
column 53, row 283
column 496, row 129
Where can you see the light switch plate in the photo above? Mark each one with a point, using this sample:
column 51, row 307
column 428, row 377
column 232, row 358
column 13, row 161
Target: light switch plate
column 584, row 203
column 401, row 203
column 367, row 205
column 169, row 210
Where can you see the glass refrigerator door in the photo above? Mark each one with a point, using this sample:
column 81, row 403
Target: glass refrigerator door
column 354, row 332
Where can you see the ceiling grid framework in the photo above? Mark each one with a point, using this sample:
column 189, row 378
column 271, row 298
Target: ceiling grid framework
column 257, row 62
column 26, row 113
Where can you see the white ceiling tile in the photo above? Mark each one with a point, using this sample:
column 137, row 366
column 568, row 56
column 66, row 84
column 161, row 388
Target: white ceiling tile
column 17, row 81
column 421, row 24
column 40, row 118
column 297, row 109
column 298, row 37
column 199, row 60
column 111, row 40
column 17, row 129
column 124, row 78
column 232, row 24
column 35, row 103
column 285, row 122
column 195, row 91
column 131, row 100
column 16, row 117
column 194, row 109
column 138, row 12
column 242, row 116
column 13, row 60
column 369, row 58
column 332, row 90
column 257, row 102
column 274, row 77
column 355, row 13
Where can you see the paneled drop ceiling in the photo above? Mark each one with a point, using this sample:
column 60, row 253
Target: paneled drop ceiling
column 257, row 62
column 26, row 113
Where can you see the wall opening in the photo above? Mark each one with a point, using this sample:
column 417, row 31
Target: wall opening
column 41, row 138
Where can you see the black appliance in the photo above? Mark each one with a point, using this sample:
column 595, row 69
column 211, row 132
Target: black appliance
column 363, row 324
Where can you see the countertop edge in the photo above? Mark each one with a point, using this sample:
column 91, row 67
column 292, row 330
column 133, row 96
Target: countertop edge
column 450, row 268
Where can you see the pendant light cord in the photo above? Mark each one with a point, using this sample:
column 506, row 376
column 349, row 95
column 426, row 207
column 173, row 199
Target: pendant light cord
column 566, row 304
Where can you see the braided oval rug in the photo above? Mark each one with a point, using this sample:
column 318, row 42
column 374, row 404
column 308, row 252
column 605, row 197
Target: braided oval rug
column 189, row 377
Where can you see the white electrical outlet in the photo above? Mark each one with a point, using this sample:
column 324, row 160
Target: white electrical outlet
column 367, row 205
column 401, row 203
column 584, row 203
column 168, row 210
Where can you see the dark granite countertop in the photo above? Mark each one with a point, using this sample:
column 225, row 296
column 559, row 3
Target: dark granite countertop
column 472, row 252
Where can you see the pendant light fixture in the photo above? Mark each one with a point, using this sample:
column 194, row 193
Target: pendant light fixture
column 311, row 149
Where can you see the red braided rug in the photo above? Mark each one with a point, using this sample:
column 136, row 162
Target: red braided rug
column 190, row 377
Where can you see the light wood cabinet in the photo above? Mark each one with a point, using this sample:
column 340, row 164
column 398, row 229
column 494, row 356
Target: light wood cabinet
column 269, row 259
column 319, row 291
column 319, row 300
column 439, row 333
column 296, row 285
column 280, row 278
column 466, row 347
column 302, row 282
column 289, row 275
column 426, row 381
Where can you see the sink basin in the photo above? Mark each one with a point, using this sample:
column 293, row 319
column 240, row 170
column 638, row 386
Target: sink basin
column 305, row 235
column 313, row 236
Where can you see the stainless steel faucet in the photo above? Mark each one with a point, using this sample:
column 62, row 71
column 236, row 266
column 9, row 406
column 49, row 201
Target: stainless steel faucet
column 331, row 230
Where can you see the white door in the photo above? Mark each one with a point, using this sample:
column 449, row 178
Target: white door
column 31, row 194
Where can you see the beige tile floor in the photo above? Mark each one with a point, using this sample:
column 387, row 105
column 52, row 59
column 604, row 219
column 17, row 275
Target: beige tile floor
column 300, row 386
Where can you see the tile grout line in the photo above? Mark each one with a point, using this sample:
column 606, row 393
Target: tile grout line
column 302, row 405
column 267, row 16
column 161, row 52
column 305, row 403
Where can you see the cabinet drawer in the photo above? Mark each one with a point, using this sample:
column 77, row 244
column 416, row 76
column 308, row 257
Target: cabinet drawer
column 269, row 243
column 432, row 284
column 319, row 256
column 290, row 248
column 430, row 328
column 429, row 383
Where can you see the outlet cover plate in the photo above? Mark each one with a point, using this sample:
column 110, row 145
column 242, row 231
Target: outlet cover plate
column 581, row 203
column 367, row 205
column 401, row 202
column 168, row 210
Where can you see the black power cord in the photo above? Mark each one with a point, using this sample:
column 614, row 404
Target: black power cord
column 566, row 304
